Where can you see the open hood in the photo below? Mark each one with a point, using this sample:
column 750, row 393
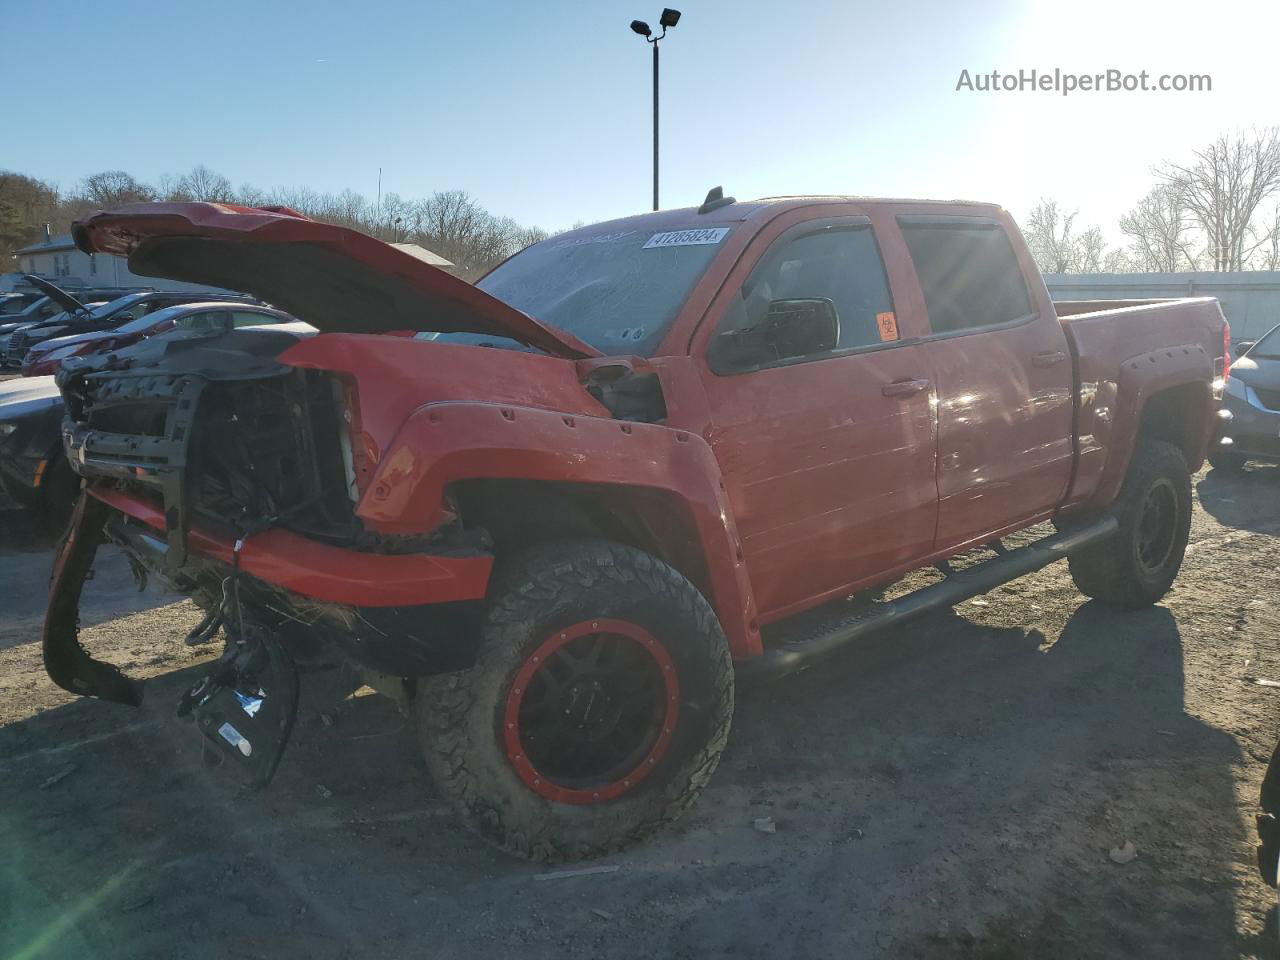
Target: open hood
column 336, row 279
column 55, row 293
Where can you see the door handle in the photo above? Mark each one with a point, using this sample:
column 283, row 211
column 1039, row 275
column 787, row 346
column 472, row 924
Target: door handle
column 904, row 388
column 1049, row 359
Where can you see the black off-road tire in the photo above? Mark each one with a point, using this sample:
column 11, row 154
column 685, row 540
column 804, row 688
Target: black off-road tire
column 1227, row 461
column 536, row 593
column 1114, row 572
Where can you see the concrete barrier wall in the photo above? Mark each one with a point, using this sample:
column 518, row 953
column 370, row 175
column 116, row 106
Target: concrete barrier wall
column 1250, row 301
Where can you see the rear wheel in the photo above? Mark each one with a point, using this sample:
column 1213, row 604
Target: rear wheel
column 1137, row 566
column 1227, row 461
column 596, row 711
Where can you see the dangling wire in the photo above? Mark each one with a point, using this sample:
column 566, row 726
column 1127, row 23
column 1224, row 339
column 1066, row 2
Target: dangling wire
column 235, row 586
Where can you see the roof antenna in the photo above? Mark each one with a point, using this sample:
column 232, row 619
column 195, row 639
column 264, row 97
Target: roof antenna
column 715, row 200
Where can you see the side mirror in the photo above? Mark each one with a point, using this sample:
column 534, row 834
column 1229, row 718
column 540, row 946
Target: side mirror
column 790, row 329
column 123, row 318
column 1239, row 349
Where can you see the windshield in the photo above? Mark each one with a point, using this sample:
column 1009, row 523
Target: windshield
column 619, row 290
column 144, row 323
column 1268, row 348
column 102, row 310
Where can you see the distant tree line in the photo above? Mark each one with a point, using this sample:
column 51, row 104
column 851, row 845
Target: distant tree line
column 448, row 222
column 1209, row 213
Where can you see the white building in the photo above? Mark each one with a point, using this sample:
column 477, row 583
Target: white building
column 58, row 259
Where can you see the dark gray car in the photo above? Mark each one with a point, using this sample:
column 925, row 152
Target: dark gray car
column 1251, row 406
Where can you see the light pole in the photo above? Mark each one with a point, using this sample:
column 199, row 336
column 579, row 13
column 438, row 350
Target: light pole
column 669, row 19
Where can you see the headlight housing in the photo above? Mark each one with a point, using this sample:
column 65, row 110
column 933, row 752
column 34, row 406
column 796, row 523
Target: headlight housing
column 57, row 353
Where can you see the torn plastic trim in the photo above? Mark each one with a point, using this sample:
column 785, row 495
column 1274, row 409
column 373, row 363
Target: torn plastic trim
column 65, row 660
column 323, row 572
column 244, row 709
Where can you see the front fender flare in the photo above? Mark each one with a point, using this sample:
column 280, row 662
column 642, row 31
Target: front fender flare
column 443, row 443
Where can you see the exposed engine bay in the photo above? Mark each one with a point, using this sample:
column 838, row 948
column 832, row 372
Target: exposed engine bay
column 221, row 440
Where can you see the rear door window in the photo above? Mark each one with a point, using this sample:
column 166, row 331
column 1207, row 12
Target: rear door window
column 205, row 321
column 968, row 273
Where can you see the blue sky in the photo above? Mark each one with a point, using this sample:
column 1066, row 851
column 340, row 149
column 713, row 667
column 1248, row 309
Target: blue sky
column 541, row 110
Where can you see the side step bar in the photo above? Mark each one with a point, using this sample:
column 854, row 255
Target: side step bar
column 800, row 652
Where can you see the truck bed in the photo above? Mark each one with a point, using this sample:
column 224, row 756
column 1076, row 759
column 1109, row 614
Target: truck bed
column 1126, row 351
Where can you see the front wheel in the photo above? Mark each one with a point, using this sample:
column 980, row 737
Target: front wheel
column 596, row 711
column 1137, row 566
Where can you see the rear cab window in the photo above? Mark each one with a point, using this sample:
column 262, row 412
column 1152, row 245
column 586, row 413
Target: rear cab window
column 968, row 273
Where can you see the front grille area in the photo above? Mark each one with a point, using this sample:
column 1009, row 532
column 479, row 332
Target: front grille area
column 17, row 346
column 248, row 454
column 269, row 451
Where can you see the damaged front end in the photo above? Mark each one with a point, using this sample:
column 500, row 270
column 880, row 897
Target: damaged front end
column 230, row 475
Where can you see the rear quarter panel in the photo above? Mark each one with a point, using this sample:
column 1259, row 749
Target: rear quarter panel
column 1124, row 356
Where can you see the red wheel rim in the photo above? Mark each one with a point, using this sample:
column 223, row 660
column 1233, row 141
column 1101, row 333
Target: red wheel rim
column 591, row 711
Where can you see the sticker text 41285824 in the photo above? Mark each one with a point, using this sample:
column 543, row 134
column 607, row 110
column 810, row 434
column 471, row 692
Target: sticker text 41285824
column 686, row 238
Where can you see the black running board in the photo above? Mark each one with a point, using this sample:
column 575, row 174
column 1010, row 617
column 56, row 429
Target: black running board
column 796, row 653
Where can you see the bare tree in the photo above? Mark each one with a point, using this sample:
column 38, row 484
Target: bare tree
column 1269, row 250
column 303, row 199
column 522, row 237
column 396, row 219
column 1091, row 250
column 1117, row 261
column 1224, row 186
column 114, row 188
column 1160, row 231
column 449, row 222
column 203, row 184
column 1056, row 247
column 250, row 196
column 348, row 209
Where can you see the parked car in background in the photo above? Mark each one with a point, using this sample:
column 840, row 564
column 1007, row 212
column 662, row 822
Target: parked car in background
column 204, row 315
column 54, row 302
column 34, row 473
column 37, row 311
column 1250, row 417
column 104, row 316
column 14, row 303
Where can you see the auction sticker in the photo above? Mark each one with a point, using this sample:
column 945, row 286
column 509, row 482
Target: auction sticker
column 888, row 325
column 686, row 238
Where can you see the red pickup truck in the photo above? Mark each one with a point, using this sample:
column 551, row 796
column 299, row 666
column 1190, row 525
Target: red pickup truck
column 552, row 512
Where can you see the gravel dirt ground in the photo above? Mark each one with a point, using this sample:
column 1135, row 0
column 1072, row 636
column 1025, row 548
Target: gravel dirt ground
column 950, row 790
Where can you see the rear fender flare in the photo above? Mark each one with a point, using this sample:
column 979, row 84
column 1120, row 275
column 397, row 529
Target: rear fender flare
column 1140, row 379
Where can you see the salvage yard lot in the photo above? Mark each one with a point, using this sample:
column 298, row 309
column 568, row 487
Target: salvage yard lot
column 949, row 790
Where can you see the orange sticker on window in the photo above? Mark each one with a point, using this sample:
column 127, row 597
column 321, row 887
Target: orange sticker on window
column 888, row 325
